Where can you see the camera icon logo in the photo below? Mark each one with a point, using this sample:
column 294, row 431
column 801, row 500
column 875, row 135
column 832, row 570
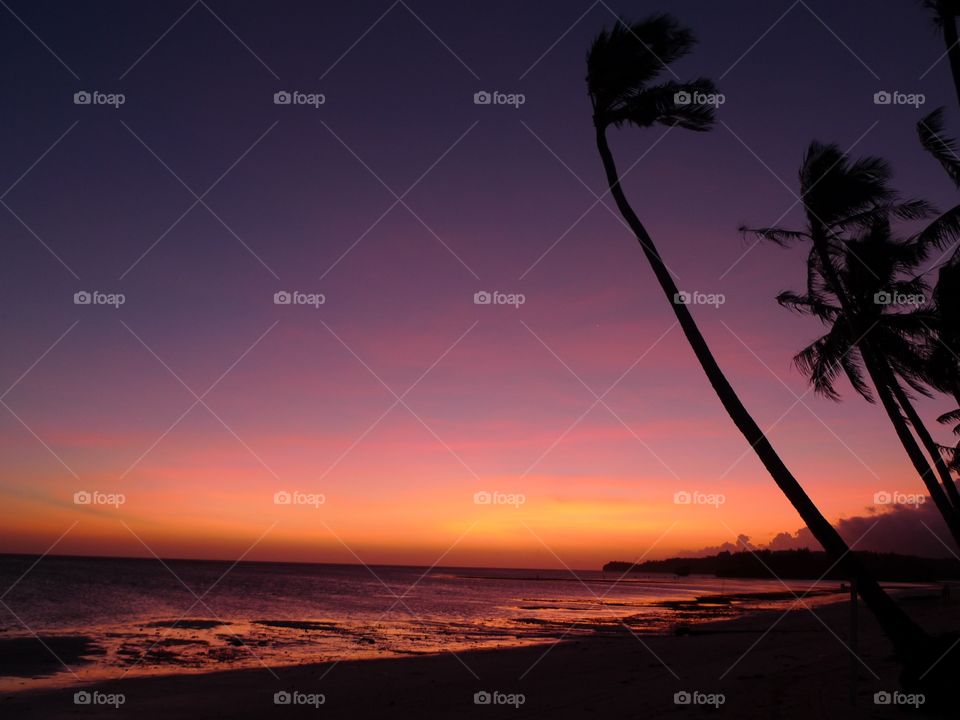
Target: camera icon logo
column 882, row 498
column 482, row 698
column 883, row 298
column 682, row 698
column 482, row 498
column 682, row 298
column 82, row 697
column 482, row 98
column 282, row 497
column 82, row 497
column 482, row 298
column 282, row 298
column 882, row 698
column 882, row 97
column 82, row 298
column 282, row 697
column 682, row 497
column 682, row 98
column 282, row 97
column 82, row 98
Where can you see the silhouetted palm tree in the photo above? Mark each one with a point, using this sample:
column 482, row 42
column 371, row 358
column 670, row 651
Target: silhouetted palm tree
column 874, row 269
column 944, row 361
column 944, row 367
column 945, row 14
column 624, row 66
column 945, row 230
column 848, row 206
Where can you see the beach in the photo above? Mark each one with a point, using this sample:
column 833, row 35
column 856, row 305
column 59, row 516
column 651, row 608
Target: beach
column 766, row 664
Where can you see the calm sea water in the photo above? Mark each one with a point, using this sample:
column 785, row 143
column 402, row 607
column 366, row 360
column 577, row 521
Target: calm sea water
column 143, row 617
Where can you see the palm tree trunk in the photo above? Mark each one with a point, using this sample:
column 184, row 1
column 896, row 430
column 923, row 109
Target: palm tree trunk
column 933, row 450
column 901, row 630
column 952, row 42
column 883, row 382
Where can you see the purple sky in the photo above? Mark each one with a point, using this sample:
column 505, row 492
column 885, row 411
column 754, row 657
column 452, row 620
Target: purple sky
column 505, row 199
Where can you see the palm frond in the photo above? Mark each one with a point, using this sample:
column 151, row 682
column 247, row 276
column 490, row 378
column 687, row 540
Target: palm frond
column 623, row 60
column 671, row 103
column 823, row 361
column 777, row 235
column 942, row 147
column 808, row 305
column 944, row 231
column 835, row 189
column 951, row 417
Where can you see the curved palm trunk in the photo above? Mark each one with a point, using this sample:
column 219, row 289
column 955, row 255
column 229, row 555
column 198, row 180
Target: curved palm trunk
column 903, row 632
column 933, row 450
column 883, row 380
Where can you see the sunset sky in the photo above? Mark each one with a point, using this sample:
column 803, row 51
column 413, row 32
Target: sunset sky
column 199, row 398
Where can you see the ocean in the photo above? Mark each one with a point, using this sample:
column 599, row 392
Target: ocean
column 68, row 620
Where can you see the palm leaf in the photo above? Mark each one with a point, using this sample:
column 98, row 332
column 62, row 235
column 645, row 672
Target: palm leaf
column 939, row 145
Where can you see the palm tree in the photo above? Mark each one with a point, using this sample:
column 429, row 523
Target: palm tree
column 623, row 67
column 944, row 369
column 842, row 198
column 944, row 363
column 945, row 14
column 874, row 268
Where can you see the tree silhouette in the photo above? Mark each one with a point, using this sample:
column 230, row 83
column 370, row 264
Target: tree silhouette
column 856, row 270
column 624, row 66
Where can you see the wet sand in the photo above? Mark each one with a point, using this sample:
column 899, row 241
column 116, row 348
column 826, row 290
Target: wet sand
column 769, row 664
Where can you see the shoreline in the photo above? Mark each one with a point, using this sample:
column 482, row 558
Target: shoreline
column 36, row 662
column 766, row 663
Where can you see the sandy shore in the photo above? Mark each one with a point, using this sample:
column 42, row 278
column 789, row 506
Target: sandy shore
column 800, row 668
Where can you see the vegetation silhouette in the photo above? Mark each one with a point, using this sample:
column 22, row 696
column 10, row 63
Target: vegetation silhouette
column 799, row 564
column 857, row 274
column 624, row 69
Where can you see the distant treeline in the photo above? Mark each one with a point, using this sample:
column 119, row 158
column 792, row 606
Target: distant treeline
column 797, row 565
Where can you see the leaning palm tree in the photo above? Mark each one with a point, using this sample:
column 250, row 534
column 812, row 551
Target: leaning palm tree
column 841, row 198
column 943, row 368
column 624, row 66
column 945, row 14
column 944, row 318
column 875, row 268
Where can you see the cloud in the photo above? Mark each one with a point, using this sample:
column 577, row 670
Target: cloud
column 904, row 529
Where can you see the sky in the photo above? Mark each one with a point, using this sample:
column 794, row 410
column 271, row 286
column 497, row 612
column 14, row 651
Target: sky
column 579, row 412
